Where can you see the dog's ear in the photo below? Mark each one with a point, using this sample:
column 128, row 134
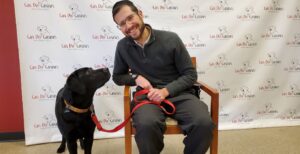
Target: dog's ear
column 76, row 86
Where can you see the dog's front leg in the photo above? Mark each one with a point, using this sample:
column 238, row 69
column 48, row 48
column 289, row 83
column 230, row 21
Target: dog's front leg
column 88, row 144
column 62, row 146
column 81, row 143
column 72, row 146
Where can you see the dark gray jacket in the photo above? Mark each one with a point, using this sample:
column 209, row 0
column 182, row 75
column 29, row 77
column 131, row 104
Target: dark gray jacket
column 164, row 61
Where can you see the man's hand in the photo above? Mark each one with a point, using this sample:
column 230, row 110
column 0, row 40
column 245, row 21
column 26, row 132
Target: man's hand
column 143, row 82
column 158, row 95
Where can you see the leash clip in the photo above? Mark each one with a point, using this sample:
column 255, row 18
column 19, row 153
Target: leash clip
column 92, row 109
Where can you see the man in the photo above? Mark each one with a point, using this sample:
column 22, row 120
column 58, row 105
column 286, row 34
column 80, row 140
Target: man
column 159, row 62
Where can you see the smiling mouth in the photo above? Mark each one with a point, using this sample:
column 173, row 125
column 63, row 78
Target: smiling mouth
column 132, row 29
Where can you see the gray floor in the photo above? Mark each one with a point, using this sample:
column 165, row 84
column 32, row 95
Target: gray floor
column 281, row 140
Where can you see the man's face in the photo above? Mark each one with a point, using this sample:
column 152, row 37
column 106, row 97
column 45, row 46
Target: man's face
column 130, row 23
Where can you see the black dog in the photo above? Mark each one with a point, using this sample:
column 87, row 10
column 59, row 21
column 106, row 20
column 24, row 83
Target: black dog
column 74, row 105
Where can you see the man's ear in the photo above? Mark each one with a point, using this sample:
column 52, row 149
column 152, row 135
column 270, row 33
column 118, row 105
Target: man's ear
column 76, row 86
column 141, row 14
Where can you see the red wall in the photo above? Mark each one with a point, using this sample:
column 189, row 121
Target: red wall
column 11, row 112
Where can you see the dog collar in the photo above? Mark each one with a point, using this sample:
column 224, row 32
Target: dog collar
column 75, row 109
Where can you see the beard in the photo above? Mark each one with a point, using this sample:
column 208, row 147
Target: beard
column 141, row 28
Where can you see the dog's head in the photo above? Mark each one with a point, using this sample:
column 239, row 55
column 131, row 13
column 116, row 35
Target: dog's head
column 87, row 80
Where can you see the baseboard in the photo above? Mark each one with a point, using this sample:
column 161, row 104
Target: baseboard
column 12, row 136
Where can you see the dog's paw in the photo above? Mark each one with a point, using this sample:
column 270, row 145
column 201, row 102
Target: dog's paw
column 61, row 149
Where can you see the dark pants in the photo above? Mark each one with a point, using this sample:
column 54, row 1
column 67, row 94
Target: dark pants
column 192, row 116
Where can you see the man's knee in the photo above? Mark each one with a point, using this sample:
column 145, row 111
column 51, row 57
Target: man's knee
column 149, row 124
column 204, row 124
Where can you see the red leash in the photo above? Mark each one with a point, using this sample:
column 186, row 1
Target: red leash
column 139, row 104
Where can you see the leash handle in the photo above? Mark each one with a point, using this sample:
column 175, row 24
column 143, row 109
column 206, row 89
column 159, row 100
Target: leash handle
column 160, row 104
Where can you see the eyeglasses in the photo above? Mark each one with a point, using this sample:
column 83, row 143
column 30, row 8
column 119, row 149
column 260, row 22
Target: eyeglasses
column 129, row 18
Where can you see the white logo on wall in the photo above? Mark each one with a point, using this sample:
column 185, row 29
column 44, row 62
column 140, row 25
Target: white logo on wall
column 295, row 41
column 109, row 118
column 222, row 35
column 272, row 33
column 249, row 14
column 106, row 33
column 296, row 15
column 223, row 113
column 270, row 59
column 291, row 114
column 108, row 90
column 268, row 109
column 247, row 42
column 75, row 43
column 221, row 61
column 242, row 118
column 38, row 5
column 292, row 91
column 47, row 121
column 246, row 68
column 76, row 66
column 42, row 34
column 107, row 62
column 194, row 14
column 46, row 94
column 74, row 13
column 222, row 87
column 103, row 5
column 44, row 64
column 293, row 66
column 244, row 93
column 195, row 42
column 165, row 5
column 274, row 6
column 268, row 85
column 220, row 6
